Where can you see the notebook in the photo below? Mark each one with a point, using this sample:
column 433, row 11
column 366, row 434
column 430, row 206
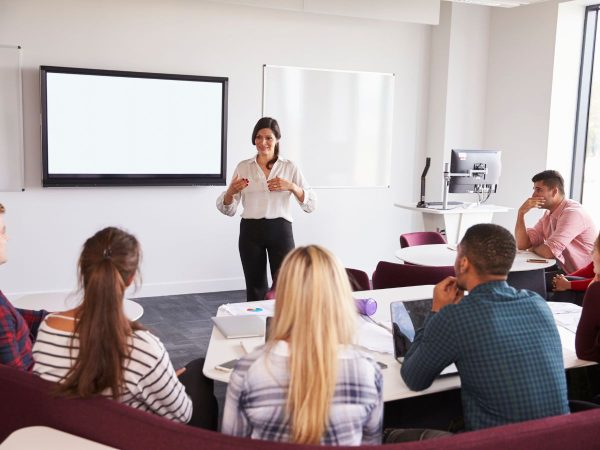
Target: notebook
column 240, row 326
column 407, row 318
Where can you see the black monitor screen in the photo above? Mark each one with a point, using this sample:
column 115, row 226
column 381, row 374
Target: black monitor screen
column 463, row 161
column 107, row 127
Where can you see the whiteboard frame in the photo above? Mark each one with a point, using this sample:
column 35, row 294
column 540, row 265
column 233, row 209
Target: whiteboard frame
column 387, row 183
column 20, row 167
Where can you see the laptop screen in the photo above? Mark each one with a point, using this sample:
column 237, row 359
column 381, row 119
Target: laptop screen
column 407, row 318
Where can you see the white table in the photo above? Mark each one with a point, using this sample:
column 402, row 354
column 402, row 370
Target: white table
column 221, row 349
column 523, row 274
column 444, row 255
column 60, row 302
column 47, row 438
column 454, row 222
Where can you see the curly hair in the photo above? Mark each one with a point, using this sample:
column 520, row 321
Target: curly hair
column 490, row 248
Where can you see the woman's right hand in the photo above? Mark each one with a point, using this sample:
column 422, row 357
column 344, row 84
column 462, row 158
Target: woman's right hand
column 237, row 185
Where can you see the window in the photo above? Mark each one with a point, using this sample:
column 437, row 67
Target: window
column 586, row 157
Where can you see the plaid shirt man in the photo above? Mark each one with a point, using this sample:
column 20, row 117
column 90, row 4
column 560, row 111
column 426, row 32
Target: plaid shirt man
column 18, row 329
column 508, row 352
column 256, row 399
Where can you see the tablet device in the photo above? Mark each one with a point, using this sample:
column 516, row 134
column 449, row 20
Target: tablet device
column 240, row 326
column 407, row 318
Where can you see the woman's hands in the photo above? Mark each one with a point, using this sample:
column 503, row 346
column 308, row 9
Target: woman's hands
column 280, row 184
column 560, row 283
column 236, row 186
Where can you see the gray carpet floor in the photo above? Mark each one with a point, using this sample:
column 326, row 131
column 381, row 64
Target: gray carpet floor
column 183, row 324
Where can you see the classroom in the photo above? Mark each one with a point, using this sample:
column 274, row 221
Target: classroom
column 468, row 74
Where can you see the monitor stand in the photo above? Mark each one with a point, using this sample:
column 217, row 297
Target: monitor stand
column 441, row 203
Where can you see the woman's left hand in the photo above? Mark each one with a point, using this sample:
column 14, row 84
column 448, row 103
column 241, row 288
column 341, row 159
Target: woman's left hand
column 560, row 283
column 280, row 184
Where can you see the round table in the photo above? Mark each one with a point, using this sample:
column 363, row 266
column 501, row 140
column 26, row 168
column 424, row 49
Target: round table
column 523, row 274
column 57, row 301
column 444, row 255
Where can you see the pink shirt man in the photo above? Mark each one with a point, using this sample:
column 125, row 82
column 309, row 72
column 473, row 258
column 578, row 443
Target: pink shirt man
column 569, row 232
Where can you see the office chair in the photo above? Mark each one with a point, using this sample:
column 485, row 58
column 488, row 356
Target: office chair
column 391, row 275
column 421, row 238
column 359, row 280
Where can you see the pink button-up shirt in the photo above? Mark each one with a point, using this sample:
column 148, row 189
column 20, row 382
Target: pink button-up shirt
column 569, row 232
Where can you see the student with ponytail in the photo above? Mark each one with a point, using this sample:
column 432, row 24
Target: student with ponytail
column 308, row 384
column 95, row 350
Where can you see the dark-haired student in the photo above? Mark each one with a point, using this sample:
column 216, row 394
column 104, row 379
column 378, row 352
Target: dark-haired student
column 18, row 327
column 503, row 341
column 566, row 232
column 587, row 339
column 95, row 350
column 265, row 185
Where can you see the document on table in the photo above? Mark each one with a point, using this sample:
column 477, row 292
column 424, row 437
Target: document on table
column 564, row 307
column 263, row 308
column 375, row 337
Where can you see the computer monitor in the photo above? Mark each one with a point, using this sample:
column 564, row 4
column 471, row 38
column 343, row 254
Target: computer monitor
column 481, row 169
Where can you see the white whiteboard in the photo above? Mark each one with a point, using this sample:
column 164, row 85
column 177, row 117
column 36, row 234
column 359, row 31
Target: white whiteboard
column 11, row 120
column 336, row 125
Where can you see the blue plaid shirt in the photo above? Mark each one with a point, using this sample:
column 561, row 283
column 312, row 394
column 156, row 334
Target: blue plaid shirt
column 255, row 405
column 508, row 352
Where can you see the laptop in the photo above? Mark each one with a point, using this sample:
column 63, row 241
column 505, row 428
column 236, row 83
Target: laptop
column 407, row 318
column 233, row 327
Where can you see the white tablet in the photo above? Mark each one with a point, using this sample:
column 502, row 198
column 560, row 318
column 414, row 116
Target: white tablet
column 240, row 326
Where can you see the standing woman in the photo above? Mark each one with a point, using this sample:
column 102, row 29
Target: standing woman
column 309, row 384
column 265, row 183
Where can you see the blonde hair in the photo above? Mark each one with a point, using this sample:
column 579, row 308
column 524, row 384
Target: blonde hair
column 315, row 314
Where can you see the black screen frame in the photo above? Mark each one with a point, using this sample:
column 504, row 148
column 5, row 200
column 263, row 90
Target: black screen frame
column 96, row 180
column 465, row 184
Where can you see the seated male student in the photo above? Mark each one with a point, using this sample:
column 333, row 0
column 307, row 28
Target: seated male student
column 503, row 341
column 18, row 327
column 566, row 232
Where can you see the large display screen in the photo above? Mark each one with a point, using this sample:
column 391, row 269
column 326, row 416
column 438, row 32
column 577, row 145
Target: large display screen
column 114, row 128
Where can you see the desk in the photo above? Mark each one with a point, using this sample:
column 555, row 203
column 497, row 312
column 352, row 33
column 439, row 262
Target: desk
column 48, row 439
column 221, row 349
column 457, row 220
column 523, row 274
column 60, row 302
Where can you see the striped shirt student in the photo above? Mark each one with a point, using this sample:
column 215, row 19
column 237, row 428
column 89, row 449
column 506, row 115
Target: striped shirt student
column 151, row 383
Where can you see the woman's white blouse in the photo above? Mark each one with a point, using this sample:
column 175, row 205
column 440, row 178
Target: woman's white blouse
column 258, row 201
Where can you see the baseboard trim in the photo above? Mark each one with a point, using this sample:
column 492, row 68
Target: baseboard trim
column 160, row 289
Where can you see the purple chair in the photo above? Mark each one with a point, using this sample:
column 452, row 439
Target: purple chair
column 391, row 275
column 421, row 238
column 359, row 280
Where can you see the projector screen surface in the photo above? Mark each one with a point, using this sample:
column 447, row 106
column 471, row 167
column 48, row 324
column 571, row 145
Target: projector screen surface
column 129, row 128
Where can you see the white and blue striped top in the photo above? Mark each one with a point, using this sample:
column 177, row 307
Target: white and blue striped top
column 151, row 383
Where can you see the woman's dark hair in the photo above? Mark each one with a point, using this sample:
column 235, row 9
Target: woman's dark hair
column 108, row 263
column 268, row 122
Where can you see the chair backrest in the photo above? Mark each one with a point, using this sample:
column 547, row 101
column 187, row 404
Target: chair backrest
column 359, row 280
column 421, row 238
column 391, row 275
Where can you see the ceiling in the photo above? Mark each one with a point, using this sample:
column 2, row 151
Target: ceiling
column 499, row 3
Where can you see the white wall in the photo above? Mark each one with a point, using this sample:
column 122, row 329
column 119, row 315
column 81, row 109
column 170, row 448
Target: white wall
column 519, row 87
column 459, row 64
column 188, row 245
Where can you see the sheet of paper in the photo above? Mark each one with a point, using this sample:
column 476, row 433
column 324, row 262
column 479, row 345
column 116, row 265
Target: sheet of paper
column 564, row 308
column 568, row 321
column 374, row 337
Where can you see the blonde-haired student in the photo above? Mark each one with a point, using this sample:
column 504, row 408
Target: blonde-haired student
column 308, row 384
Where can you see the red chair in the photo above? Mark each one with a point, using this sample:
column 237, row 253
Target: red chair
column 391, row 275
column 421, row 238
column 359, row 280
